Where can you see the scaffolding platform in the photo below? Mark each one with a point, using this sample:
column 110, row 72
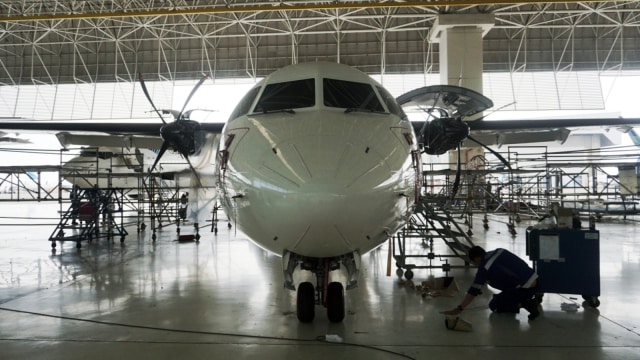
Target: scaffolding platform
column 93, row 213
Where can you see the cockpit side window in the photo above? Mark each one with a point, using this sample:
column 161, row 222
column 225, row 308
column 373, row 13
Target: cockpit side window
column 350, row 95
column 391, row 103
column 245, row 104
column 287, row 95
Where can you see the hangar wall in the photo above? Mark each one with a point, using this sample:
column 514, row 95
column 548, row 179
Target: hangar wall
column 522, row 91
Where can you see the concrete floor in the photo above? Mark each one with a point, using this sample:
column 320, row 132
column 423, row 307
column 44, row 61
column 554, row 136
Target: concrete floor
column 223, row 298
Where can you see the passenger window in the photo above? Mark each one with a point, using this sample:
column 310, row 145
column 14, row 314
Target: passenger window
column 287, row 95
column 391, row 103
column 350, row 95
column 245, row 104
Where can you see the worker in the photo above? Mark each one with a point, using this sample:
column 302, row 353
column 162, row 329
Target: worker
column 74, row 196
column 184, row 200
column 504, row 271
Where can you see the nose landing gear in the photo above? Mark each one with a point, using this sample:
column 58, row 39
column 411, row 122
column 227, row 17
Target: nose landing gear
column 329, row 294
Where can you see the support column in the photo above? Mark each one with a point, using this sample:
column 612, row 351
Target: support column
column 460, row 39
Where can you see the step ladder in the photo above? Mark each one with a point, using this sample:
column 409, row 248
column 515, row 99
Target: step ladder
column 430, row 221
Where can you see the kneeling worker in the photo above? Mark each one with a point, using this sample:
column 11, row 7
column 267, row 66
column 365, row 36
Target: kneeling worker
column 504, row 271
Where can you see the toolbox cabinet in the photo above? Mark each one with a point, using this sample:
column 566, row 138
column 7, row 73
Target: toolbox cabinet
column 567, row 261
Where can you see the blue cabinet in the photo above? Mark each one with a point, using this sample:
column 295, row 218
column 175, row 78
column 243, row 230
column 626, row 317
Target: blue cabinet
column 567, row 261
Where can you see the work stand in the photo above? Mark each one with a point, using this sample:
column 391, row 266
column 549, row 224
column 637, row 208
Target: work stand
column 215, row 219
column 429, row 222
column 93, row 213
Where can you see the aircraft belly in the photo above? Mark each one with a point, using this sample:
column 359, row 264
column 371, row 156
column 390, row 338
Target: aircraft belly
column 320, row 225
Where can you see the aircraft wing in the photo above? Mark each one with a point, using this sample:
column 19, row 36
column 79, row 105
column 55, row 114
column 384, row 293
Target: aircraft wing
column 106, row 140
column 103, row 134
column 503, row 132
column 454, row 102
column 506, row 125
column 113, row 128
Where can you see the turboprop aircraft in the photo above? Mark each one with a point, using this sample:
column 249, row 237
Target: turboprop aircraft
column 120, row 162
column 318, row 163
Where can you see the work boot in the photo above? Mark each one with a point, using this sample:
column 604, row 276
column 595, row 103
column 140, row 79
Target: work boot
column 532, row 307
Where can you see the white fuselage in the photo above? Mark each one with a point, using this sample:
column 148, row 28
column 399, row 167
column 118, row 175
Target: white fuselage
column 318, row 181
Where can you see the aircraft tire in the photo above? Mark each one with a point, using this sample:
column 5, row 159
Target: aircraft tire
column 335, row 302
column 305, row 306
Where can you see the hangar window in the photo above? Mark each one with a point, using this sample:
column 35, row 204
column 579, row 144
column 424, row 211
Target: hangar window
column 350, row 95
column 287, row 95
column 245, row 104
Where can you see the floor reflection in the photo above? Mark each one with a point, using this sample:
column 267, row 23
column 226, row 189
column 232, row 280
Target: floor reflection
column 225, row 284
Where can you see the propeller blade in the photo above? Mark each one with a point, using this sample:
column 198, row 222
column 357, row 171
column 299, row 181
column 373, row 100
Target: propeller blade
column 504, row 161
column 201, row 202
column 146, row 93
column 456, row 182
column 193, row 91
column 193, row 170
column 164, row 148
column 424, row 127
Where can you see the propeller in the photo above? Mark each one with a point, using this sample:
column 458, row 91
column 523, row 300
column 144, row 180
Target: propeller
column 456, row 182
column 445, row 129
column 447, row 133
column 495, row 153
column 179, row 135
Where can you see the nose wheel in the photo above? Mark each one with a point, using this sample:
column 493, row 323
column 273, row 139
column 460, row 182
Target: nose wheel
column 335, row 302
column 325, row 293
column 306, row 302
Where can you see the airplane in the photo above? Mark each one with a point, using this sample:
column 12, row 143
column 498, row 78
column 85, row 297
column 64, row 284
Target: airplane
column 319, row 164
column 123, row 163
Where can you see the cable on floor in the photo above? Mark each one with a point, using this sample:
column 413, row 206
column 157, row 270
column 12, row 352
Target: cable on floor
column 261, row 337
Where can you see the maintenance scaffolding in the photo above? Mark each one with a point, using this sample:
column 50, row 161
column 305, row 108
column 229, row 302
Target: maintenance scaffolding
column 108, row 195
column 537, row 179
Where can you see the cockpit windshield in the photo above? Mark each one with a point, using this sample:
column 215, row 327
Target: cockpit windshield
column 287, row 95
column 245, row 104
column 391, row 102
column 350, row 95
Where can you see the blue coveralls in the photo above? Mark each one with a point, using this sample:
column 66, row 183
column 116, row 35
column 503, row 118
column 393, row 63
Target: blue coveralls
column 505, row 271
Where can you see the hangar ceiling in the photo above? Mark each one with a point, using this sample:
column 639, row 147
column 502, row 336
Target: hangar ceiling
column 74, row 41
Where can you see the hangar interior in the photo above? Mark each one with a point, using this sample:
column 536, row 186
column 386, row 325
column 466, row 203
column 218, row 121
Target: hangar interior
column 222, row 296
